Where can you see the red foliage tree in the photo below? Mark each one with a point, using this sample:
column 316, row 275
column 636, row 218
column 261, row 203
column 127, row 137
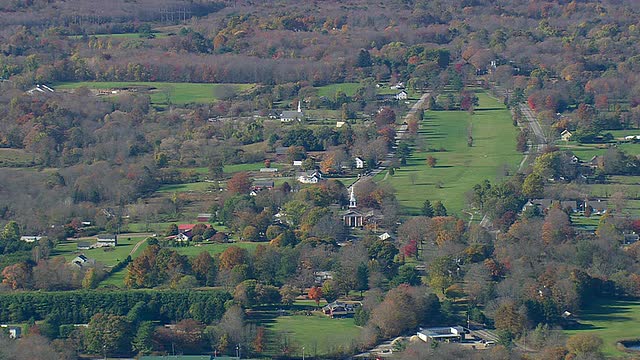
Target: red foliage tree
column 315, row 293
column 240, row 183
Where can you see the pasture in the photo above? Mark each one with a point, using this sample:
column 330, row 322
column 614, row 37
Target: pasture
column 165, row 93
column 318, row 334
column 611, row 320
column 106, row 256
column 459, row 166
column 17, row 158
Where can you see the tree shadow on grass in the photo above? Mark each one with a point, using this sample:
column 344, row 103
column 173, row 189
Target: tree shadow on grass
column 488, row 109
column 443, row 166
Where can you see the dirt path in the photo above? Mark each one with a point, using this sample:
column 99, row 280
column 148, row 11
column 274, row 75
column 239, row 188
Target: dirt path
column 135, row 248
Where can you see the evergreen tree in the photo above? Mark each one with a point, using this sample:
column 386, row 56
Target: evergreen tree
column 362, row 278
column 427, row 209
column 439, row 209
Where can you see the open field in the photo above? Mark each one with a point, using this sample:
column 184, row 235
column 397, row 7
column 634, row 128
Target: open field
column 16, row 158
column 163, row 92
column 107, row 256
column 460, row 166
column 330, row 90
column 215, row 248
column 317, row 333
column 611, row 320
column 120, row 36
column 200, row 186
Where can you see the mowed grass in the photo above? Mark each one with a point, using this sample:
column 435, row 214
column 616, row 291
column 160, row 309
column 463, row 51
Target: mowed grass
column 106, row 256
column 176, row 93
column 612, row 321
column 330, row 90
column 460, row 166
column 318, row 334
column 215, row 248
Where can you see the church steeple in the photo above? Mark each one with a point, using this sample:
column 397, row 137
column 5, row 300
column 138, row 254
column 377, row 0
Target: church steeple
column 299, row 106
column 352, row 199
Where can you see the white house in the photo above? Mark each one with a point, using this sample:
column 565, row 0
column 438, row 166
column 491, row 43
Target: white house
column 566, row 135
column 339, row 124
column 402, row 95
column 14, row 331
column 359, row 163
column 384, row 236
column 30, row 239
column 310, row 178
column 107, row 240
column 81, row 260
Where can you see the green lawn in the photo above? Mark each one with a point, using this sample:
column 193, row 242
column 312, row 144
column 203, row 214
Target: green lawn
column 330, row 90
column 459, row 167
column 162, row 92
column 215, row 248
column 317, row 333
column 611, row 320
column 106, row 256
column 187, row 187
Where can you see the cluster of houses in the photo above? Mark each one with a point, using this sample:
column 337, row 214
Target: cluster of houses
column 598, row 206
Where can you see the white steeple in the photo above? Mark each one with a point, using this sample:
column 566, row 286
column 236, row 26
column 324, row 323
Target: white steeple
column 352, row 199
column 299, row 106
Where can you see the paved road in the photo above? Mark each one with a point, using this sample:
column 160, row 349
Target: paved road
column 401, row 133
column 533, row 124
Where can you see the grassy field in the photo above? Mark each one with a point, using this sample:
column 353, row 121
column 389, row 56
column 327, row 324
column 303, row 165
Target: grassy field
column 119, row 36
column 106, row 256
column 200, row 186
column 214, row 248
column 162, row 92
column 611, row 320
column 16, row 158
column 330, row 90
column 318, row 334
column 459, row 167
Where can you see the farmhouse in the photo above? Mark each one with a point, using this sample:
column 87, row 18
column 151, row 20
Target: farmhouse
column 313, row 177
column 107, row 240
column 81, row 261
column 446, row 334
column 341, row 309
column 263, row 184
column 359, row 163
column 566, row 135
column 599, row 206
column 402, row 95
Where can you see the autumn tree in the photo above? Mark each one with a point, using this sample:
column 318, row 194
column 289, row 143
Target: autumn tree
column 431, row 161
column 233, row 256
column 240, row 183
column 315, row 293
column 508, row 318
column 204, row 268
